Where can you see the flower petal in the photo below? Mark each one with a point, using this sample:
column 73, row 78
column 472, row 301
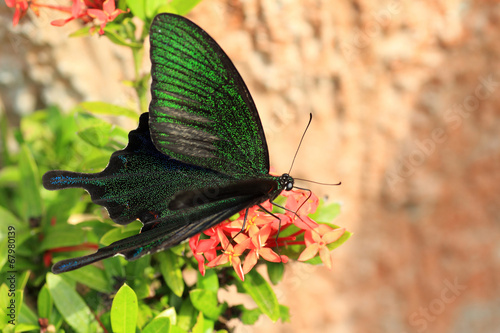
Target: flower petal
column 316, row 236
column 219, row 260
column 333, row 235
column 226, row 246
column 250, row 261
column 269, row 255
column 241, row 247
column 238, row 269
column 309, row 253
column 206, row 244
column 326, row 257
column 97, row 14
column 305, row 222
column 109, row 6
column 308, row 238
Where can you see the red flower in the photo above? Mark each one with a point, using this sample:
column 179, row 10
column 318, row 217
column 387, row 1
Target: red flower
column 201, row 249
column 101, row 11
column 88, row 10
column 21, row 6
column 107, row 14
column 231, row 254
column 260, row 235
column 257, row 245
column 77, row 10
column 304, row 202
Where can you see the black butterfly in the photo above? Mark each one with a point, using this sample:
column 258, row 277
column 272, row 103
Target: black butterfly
column 197, row 158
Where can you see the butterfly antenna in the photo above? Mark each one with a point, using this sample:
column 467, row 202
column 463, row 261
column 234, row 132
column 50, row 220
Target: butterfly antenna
column 311, row 181
column 303, row 135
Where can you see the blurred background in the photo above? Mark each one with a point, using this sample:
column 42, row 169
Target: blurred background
column 405, row 97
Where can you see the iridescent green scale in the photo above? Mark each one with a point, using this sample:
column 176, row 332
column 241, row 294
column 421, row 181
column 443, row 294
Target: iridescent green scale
column 198, row 156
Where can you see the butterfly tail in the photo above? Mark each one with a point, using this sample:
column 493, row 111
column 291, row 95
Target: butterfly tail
column 131, row 248
column 59, row 179
column 75, row 263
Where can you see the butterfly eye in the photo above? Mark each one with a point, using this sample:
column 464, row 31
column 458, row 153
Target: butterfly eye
column 286, row 181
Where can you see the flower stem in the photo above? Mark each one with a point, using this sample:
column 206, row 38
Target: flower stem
column 139, row 82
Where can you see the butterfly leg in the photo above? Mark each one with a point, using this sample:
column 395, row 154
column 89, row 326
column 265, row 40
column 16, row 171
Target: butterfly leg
column 279, row 225
column 307, row 190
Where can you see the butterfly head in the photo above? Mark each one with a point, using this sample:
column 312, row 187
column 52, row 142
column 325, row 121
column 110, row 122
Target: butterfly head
column 286, row 182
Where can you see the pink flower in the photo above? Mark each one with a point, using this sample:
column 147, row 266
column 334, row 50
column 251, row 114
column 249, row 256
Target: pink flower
column 317, row 241
column 21, row 7
column 100, row 11
column 77, row 10
column 107, row 14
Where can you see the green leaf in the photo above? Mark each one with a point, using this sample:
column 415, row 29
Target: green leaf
column 109, row 109
column 209, row 282
column 71, row 306
column 9, row 176
column 85, row 31
column 165, row 8
column 171, row 271
column 158, row 325
column 199, row 327
column 124, row 310
column 186, row 317
column 275, row 271
column 4, row 306
column 30, row 184
column 113, row 268
column 184, row 6
column 62, row 235
column 169, row 313
column 177, row 329
column 92, row 277
column 7, row 219
column 145, row 315
column 94, row 131
column 4, row 133
column 249, row 317
column 326, row 213
column 136, row 271
column 10, row 229
column 262, row 293
column 206, row 301
column 27, row 316
column 152, row 7
column 22, row 327
column 117, row 38
column 284, row 314
column 119, row 233
column 44, row 303
column 137, row 7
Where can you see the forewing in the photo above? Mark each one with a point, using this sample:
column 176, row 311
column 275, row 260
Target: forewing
column 201, row 111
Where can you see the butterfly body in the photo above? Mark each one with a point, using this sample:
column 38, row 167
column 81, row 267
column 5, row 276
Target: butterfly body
column 198, row 156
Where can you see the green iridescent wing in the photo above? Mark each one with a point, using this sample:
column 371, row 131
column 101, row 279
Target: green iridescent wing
column 201, row 111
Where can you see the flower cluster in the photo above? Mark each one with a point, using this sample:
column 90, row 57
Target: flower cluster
column 259, row 236
column 99, row 12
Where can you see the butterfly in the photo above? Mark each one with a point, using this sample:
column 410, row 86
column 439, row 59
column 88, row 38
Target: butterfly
column 198, row 156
